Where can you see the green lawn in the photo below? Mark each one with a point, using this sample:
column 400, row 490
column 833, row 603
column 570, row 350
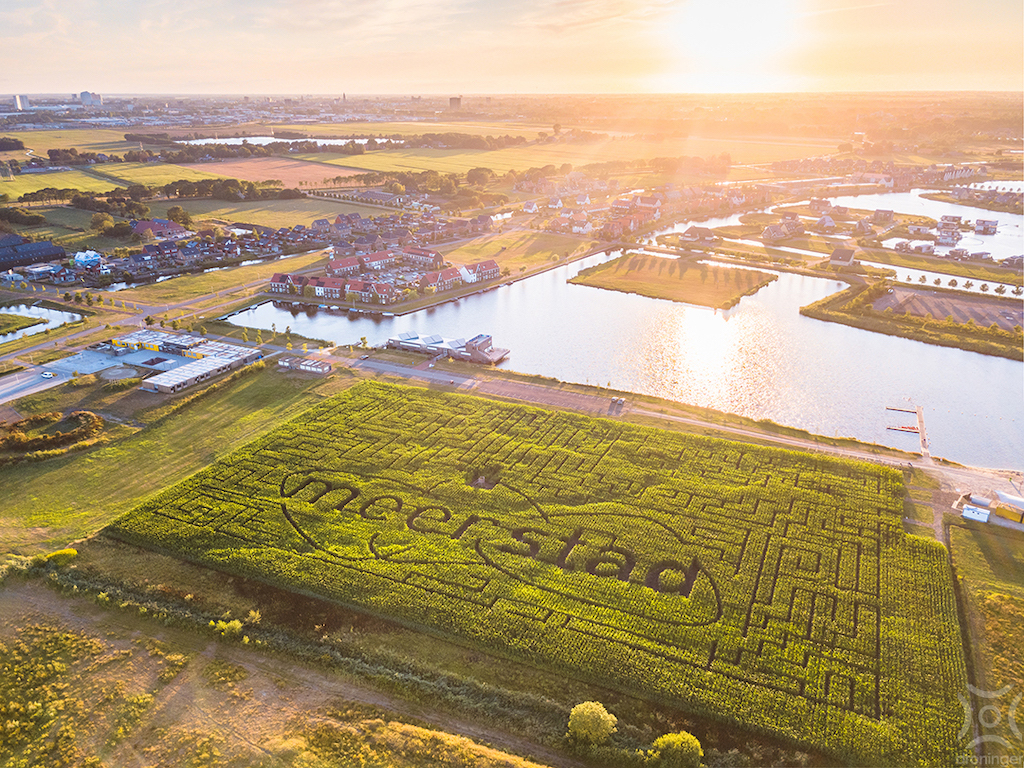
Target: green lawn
column 47, row 504
column 10, row 323
column 192, row 286
column 945, row 266
column 675, row 280
column 151, row 174
column 73, row 179
column 87, row 140
column 516, row 249
column 268, row 213
column 990, row 561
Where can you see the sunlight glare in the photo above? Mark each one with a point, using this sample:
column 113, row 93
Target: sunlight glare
column 731, row 46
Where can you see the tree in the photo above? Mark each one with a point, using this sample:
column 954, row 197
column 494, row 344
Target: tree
column 362, row 342
column 984, row 287
column 67, row 296
column 937, row 281
column 1000, row 289
column 922, row 279
column 479, row 176
column 953, row 283
column 969, row 284
column 149, row 320
column 308, row 291
column 677, row 750
column 591, row 723
column 101, row 222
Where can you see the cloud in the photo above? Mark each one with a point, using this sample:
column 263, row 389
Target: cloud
column 575, row 16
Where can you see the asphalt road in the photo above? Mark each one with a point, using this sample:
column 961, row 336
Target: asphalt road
column 28, row 382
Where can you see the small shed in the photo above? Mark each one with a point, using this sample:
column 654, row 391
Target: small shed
column 975, row 513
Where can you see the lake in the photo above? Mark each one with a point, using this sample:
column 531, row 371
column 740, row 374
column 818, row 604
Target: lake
column 760, row 359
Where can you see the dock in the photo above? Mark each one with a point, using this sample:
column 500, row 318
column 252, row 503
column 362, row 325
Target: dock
column 919, row 430
column 901, row 410
column 925, row 451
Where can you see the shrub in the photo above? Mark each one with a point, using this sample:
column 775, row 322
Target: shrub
column 676, row 750
column 62, row 556
column 591, row 723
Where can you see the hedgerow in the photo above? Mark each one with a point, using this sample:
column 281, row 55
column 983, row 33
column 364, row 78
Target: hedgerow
column 758, row 586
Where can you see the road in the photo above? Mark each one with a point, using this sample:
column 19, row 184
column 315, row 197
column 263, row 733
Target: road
column 27, row 382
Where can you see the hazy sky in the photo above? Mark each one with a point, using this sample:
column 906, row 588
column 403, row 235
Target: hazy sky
column 508, row 46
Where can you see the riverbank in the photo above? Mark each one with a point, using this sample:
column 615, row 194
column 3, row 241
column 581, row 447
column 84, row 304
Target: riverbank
column 853, row 307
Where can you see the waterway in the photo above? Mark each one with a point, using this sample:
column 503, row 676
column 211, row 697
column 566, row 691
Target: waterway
column 52, row 318
column 760, row 359
column 264, row 140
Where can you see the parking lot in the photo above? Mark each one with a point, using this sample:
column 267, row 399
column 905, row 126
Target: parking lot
column 983, row 310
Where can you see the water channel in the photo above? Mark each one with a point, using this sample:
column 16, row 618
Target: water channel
column 760, row 359
column 52, row 319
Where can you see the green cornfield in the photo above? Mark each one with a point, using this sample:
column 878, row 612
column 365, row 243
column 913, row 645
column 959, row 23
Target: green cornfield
column 768, row 588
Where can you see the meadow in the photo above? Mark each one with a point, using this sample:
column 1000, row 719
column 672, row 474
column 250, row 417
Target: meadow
column 267, row 213
column 743, row 151
column 990, row 562
column 154, row 174
column 47, row 504
column 675, row 279
column 769, row 589
column 516, row 249
column 87, row 140
column 233, row 280
column 84, row 180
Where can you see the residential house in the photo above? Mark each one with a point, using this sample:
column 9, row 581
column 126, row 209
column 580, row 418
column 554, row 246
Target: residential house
column 484, row 270
column 773, row 233
column 371, row 293
column 444, row 280
column 158, row 228
column 328, row 287
column 985, row 227
column 530, row 206
column 882, row 217
column 423, row 257
column 825, row 224
column 282, row 283
column 377, row 261
column 347, row 266
column 919, row 229
column 948, row 237
column 863, row 227
column 842, row 257
column 699, row 235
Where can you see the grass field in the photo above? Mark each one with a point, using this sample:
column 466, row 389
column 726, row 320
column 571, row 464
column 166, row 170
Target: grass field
column 990, row 560
column 289, row 172
column 536, row 156
column 155, row 174
column 516, row 249
column 675, row 279
column 73, row 179
column 10, row 323
column 268, row 213
column 96, row 685
column 48, row 504
column 69, row 227
column 186, row 287
column 771, row 589
column 88, row 140
column 980, row 272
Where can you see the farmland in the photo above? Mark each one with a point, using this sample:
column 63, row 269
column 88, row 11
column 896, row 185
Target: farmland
column 289, row 172
column 73, row 179
column 675, row 280
column 764, row 588
column 577, row 154
column 268, row 213
column 153, row 174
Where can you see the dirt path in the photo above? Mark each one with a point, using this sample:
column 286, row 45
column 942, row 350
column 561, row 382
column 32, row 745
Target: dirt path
column 275, row 693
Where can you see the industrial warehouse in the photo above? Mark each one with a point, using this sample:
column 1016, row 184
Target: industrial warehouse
column 476, row 350
column 206, row 358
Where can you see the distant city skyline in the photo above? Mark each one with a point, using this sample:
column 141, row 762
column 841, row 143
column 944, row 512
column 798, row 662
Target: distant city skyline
column 479, row 46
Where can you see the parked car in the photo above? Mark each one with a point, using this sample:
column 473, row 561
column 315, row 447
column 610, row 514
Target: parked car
column 48, row 375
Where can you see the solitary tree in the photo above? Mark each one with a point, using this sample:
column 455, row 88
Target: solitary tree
column 591, row 723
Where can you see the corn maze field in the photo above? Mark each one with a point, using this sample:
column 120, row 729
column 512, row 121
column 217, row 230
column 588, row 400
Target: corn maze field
column 763, row 587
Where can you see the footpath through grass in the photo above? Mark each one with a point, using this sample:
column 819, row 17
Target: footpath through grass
column 675, row 279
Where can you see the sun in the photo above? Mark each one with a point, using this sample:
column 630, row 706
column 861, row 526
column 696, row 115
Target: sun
column 733, row 46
